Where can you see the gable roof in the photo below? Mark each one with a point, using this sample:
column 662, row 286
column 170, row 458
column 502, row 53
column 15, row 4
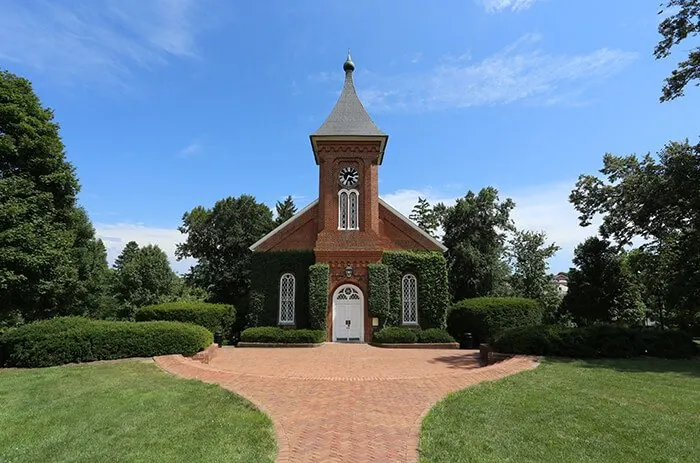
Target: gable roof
column 415, row 227
column 282, row 226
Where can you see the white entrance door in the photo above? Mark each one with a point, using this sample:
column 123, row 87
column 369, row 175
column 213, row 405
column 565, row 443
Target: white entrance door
column 348, row 314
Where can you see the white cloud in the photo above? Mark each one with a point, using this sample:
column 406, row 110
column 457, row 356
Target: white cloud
column 521, row 72
column 542, row 208
column 497, row 6
column 101, row 41
column 193, row 149
column 116, row 235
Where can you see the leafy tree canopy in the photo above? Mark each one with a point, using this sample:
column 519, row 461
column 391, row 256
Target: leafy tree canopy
column 219, row 238
column 426, row 217
column 475, row 235
column 144, row 276
column 601, row 286
column 285, row 210
column 528, row 254
column 50, row 264
column 683, row 22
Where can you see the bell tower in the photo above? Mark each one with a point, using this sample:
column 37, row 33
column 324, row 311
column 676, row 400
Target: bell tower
column 348, row 148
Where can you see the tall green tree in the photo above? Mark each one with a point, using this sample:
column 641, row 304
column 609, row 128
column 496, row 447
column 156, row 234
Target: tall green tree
column 48, row 248
column 601, row 286
column 682, row 22
column 145, row 278
column 528, row 254
column 657, row 199
column 127, row 254
column 219, row 238
column 475, row 235
column 285, row 210
column 425, row 217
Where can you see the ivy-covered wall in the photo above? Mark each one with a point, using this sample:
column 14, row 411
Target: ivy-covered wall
column 266, row 270
column 378, row 295
column 318, row 296
column 430, row 269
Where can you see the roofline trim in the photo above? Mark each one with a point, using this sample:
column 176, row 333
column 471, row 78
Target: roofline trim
column 381, row 138
column 282, row 226
column 410, row 223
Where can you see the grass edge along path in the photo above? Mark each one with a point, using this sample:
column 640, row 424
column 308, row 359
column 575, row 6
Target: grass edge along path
column 631, row 410
column 126, row 410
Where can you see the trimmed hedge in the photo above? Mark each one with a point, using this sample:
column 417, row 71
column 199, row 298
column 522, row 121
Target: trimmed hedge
column 596, row 341
column 213, row 317
column 434, row 335
column 378, row 295
column 275, row 334
column 318, row 296
column 266, row 270
column 430, row 269
column 76, row 339
column 395, row 335
column 486, row 317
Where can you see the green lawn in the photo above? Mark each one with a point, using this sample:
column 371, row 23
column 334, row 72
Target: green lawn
column 125, row 411
column 572, row 411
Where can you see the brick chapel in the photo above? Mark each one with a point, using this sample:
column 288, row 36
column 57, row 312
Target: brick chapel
column 348, row 227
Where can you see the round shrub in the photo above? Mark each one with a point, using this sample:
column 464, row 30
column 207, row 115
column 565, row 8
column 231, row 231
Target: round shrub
column 486, row 317
column 275, row 334
column 434, row 335
column 76, row 339
column 213, row 317
column 596, row 341
column 395, row 335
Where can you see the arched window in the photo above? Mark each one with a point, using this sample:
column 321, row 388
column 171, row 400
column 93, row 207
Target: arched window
column 348, row 210
column 287, row 289
column 409, row 299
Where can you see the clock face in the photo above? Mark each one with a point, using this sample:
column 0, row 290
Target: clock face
column 348, row 176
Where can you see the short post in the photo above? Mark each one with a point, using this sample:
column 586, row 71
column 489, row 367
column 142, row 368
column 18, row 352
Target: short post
column 485, row 354
column 467, row 342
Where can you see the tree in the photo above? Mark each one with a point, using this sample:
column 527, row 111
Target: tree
column 219, row 238
column 144, row 278
column 527, row 253
column 425, row 217
column 285, row 210
column 601, row 286
column 475, row 234
column 659, row 201
column 49, row 251
column 127, row 254
column 676, row 28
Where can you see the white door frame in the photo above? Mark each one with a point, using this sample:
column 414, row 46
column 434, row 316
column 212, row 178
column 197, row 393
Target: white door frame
column 362, row 310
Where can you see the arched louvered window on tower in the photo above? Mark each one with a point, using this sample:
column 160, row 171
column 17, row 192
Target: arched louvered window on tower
column 409, row 299
column 348, row 210
column 287, row 290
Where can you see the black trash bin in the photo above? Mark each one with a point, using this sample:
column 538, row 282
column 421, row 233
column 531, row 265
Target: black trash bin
column 467, row 342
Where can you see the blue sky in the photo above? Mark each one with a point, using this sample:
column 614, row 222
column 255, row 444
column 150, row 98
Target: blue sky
column 169, row 104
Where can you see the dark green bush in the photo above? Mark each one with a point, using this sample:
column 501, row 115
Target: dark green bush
column 434, row 335
column 274, row 334
column 213, row 317
column 395, row 335
column 486, row 317
column 596, row 341
column 76, row 339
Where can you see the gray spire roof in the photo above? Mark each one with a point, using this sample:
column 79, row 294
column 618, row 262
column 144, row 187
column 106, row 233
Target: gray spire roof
column 349, row 117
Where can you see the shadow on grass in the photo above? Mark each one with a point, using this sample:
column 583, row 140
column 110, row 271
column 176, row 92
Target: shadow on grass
column 690, row 367
column 463, row 361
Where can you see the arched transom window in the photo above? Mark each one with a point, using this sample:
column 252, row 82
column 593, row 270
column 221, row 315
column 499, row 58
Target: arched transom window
column 350, row 294
column 348, row 210
column 287, row 289
column 409, row 299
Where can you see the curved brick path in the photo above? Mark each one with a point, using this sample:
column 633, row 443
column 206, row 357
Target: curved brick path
column 344, row 402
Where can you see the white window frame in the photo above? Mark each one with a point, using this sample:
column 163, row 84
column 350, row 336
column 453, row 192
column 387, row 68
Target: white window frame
column 287, row 298
column 406, row 301
column 348, row 220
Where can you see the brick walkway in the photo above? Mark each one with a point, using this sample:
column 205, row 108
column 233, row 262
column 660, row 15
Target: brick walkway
column 344, row 402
